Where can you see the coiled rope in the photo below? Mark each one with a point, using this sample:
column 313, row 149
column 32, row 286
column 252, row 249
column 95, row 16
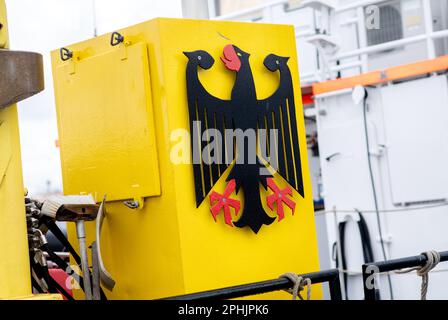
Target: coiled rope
column 433, row 259
column 299, row 285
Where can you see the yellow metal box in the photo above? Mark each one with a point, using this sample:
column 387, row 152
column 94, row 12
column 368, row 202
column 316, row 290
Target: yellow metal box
column 123, row 106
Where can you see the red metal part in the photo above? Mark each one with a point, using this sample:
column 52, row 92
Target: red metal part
column 307, row 95
column 62, row 278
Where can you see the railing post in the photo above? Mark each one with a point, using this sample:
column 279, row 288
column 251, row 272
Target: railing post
column 334, row 286
column 362, row 37
column 429, row 29
column 368, row 280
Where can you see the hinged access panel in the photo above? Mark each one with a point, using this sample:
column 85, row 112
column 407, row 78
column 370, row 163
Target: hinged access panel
column 106, row 126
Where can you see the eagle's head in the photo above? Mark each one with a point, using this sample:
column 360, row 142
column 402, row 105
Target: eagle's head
column 273, row 62
column 201, row 57
column 234, row 57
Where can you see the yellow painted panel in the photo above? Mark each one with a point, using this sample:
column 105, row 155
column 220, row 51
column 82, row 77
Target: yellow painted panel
column 215, row 255
column 40, row 297
column 14, row 264
column 4, row 30
column 5, row 149
column 106, row 126
column 171, row 247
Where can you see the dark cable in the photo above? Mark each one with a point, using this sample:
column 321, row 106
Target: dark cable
column 67, row 268
column 343, row 262
column 36, row 285
column 366, row 244
column 53, row 227
column 365, row 236
column 59, row 288
column 53, row 285
column 375, row 198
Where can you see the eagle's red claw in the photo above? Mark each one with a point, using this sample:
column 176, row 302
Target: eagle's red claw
column 224, row 202
column 280, row 197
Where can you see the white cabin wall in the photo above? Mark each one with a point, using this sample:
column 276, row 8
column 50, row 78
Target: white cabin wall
column 346, row 177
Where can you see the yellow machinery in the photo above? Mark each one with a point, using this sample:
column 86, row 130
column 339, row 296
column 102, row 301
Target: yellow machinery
column 15, row 281
column 14, row 266
column 121, row 102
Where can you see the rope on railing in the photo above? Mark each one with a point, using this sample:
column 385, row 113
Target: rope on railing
column 299, row 283
column 433, row 259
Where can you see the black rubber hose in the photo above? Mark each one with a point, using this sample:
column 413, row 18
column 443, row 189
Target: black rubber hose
column 59, row 288
column 66, row 267
column 365, row 236
column 63, row 265
column 343, row 259
column 42, row 273
column 36, row 285
column 366, row 244
column 53, row 227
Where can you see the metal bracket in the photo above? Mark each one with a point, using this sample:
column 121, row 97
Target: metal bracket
column 70, row 56
column 116, row 39
column 330, row 157
column 388, row 239
column 105, row 277
column 136, row 203
column 96, row 278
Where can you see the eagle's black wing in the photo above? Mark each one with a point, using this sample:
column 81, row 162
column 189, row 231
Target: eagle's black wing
column 207, row 112
column 278, row 112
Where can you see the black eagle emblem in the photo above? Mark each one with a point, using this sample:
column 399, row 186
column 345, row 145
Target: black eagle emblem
column 244, row 111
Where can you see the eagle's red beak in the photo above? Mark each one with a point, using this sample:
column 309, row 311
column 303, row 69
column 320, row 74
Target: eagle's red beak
column 231, row 59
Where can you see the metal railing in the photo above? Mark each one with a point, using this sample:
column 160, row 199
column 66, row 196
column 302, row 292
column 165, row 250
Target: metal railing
column 429, row 36
column 329, row 276
column 242, row 13
column 370, row 270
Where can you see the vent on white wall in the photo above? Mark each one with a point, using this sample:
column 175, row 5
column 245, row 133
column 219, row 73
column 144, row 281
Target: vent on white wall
column 391, row 25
